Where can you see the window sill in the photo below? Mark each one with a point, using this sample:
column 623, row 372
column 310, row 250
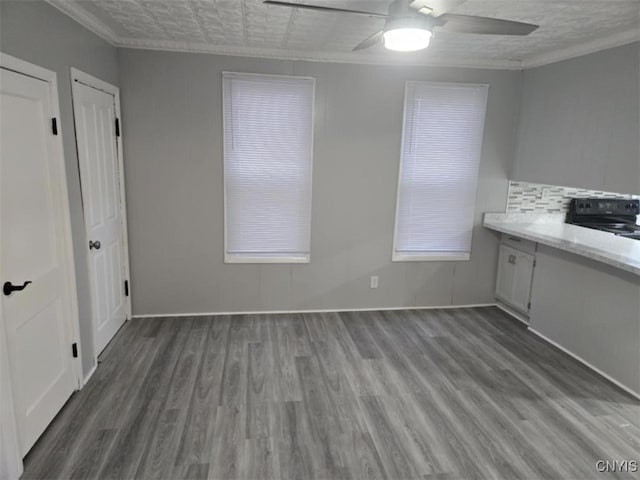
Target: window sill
column 430, row 257
column 266, row 259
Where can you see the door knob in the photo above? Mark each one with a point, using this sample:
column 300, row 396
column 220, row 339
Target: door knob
column 93, row 244
column 8, row 288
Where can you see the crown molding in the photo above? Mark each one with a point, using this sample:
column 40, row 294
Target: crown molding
column 347, row 57
column 85, row 19
column 98, row 27
column 612, row 41
column 77, row 13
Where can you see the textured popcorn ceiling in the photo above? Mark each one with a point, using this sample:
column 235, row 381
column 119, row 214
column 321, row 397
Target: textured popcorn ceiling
column 247, row 27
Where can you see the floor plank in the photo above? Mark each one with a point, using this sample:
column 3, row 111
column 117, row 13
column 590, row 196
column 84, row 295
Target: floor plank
column 431, row 394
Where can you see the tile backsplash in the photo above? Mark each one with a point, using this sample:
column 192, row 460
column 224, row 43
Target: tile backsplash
column 527, row 197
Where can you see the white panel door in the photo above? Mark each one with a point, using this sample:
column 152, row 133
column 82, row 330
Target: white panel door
column 522, row 280
column 515, row 276
column 506, row 267
column 95, row 118
column 34, row 256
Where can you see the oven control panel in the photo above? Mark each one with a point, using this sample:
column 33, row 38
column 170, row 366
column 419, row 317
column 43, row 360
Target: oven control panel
column 604, row 206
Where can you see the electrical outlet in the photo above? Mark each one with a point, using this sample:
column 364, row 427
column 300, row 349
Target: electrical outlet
column 374, row 281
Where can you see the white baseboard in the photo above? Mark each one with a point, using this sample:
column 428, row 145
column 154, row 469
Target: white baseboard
column 265, row 312
column 587, row 364
column 525, row 321
column 90, row 374
column 498, row 305
column 512, row 313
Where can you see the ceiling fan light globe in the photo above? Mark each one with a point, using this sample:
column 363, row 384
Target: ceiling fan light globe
column 407, row 39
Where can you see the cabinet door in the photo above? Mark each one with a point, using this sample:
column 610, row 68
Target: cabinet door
column 522, row 279
column 506, row 268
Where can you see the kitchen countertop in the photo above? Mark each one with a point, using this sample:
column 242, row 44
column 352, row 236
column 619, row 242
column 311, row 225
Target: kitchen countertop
column 550, row 229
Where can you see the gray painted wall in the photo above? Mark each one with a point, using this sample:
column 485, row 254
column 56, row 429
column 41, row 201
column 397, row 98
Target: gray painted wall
column 579, row 122
column 577, row 113
column 40, row 34
column 172, row 126
column 571, row 303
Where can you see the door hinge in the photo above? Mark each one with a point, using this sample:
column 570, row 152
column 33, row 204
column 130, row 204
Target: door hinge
column 54, row 126
column 74, row 350
column 529, row 306
column 126, row 288
column 535, row 263
column 117, row 127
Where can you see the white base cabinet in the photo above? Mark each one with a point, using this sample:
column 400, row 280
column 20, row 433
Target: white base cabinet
column 515, row 277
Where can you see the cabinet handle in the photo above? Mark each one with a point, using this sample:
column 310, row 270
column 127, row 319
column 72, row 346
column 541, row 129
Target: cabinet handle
column 512, row 259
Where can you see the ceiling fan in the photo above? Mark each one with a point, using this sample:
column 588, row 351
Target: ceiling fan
column 409, row 24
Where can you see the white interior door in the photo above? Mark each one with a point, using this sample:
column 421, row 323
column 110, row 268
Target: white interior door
column 95, row 118
column 35, row 256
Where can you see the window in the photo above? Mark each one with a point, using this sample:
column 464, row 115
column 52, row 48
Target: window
column 268, row 142
column 440, row 153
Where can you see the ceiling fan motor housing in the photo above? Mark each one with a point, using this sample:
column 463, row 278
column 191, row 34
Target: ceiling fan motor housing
column 402, row 16
column 410, row 21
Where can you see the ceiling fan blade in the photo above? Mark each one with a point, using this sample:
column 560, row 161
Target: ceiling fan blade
column 484, row 25
column 370, row 42
column 435, row 8
column 321, row 8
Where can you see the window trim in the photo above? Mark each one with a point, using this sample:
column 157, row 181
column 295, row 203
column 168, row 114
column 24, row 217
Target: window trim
column 239, row 258
column 433, row 256
column 274, row 258
column 430, row 256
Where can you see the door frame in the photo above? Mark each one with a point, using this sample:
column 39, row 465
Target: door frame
column 22, row 67
column 78, row 76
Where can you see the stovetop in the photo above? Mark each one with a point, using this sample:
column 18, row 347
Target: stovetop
column 625, row 230
column 617, row 216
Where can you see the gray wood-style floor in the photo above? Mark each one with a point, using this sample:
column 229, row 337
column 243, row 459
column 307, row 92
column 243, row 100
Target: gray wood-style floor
column 439, row 394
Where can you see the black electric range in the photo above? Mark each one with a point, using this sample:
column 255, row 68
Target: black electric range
column 614, row 215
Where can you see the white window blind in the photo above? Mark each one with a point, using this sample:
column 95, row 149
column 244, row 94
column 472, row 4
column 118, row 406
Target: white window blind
column 268, row 143
column 440, row 153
